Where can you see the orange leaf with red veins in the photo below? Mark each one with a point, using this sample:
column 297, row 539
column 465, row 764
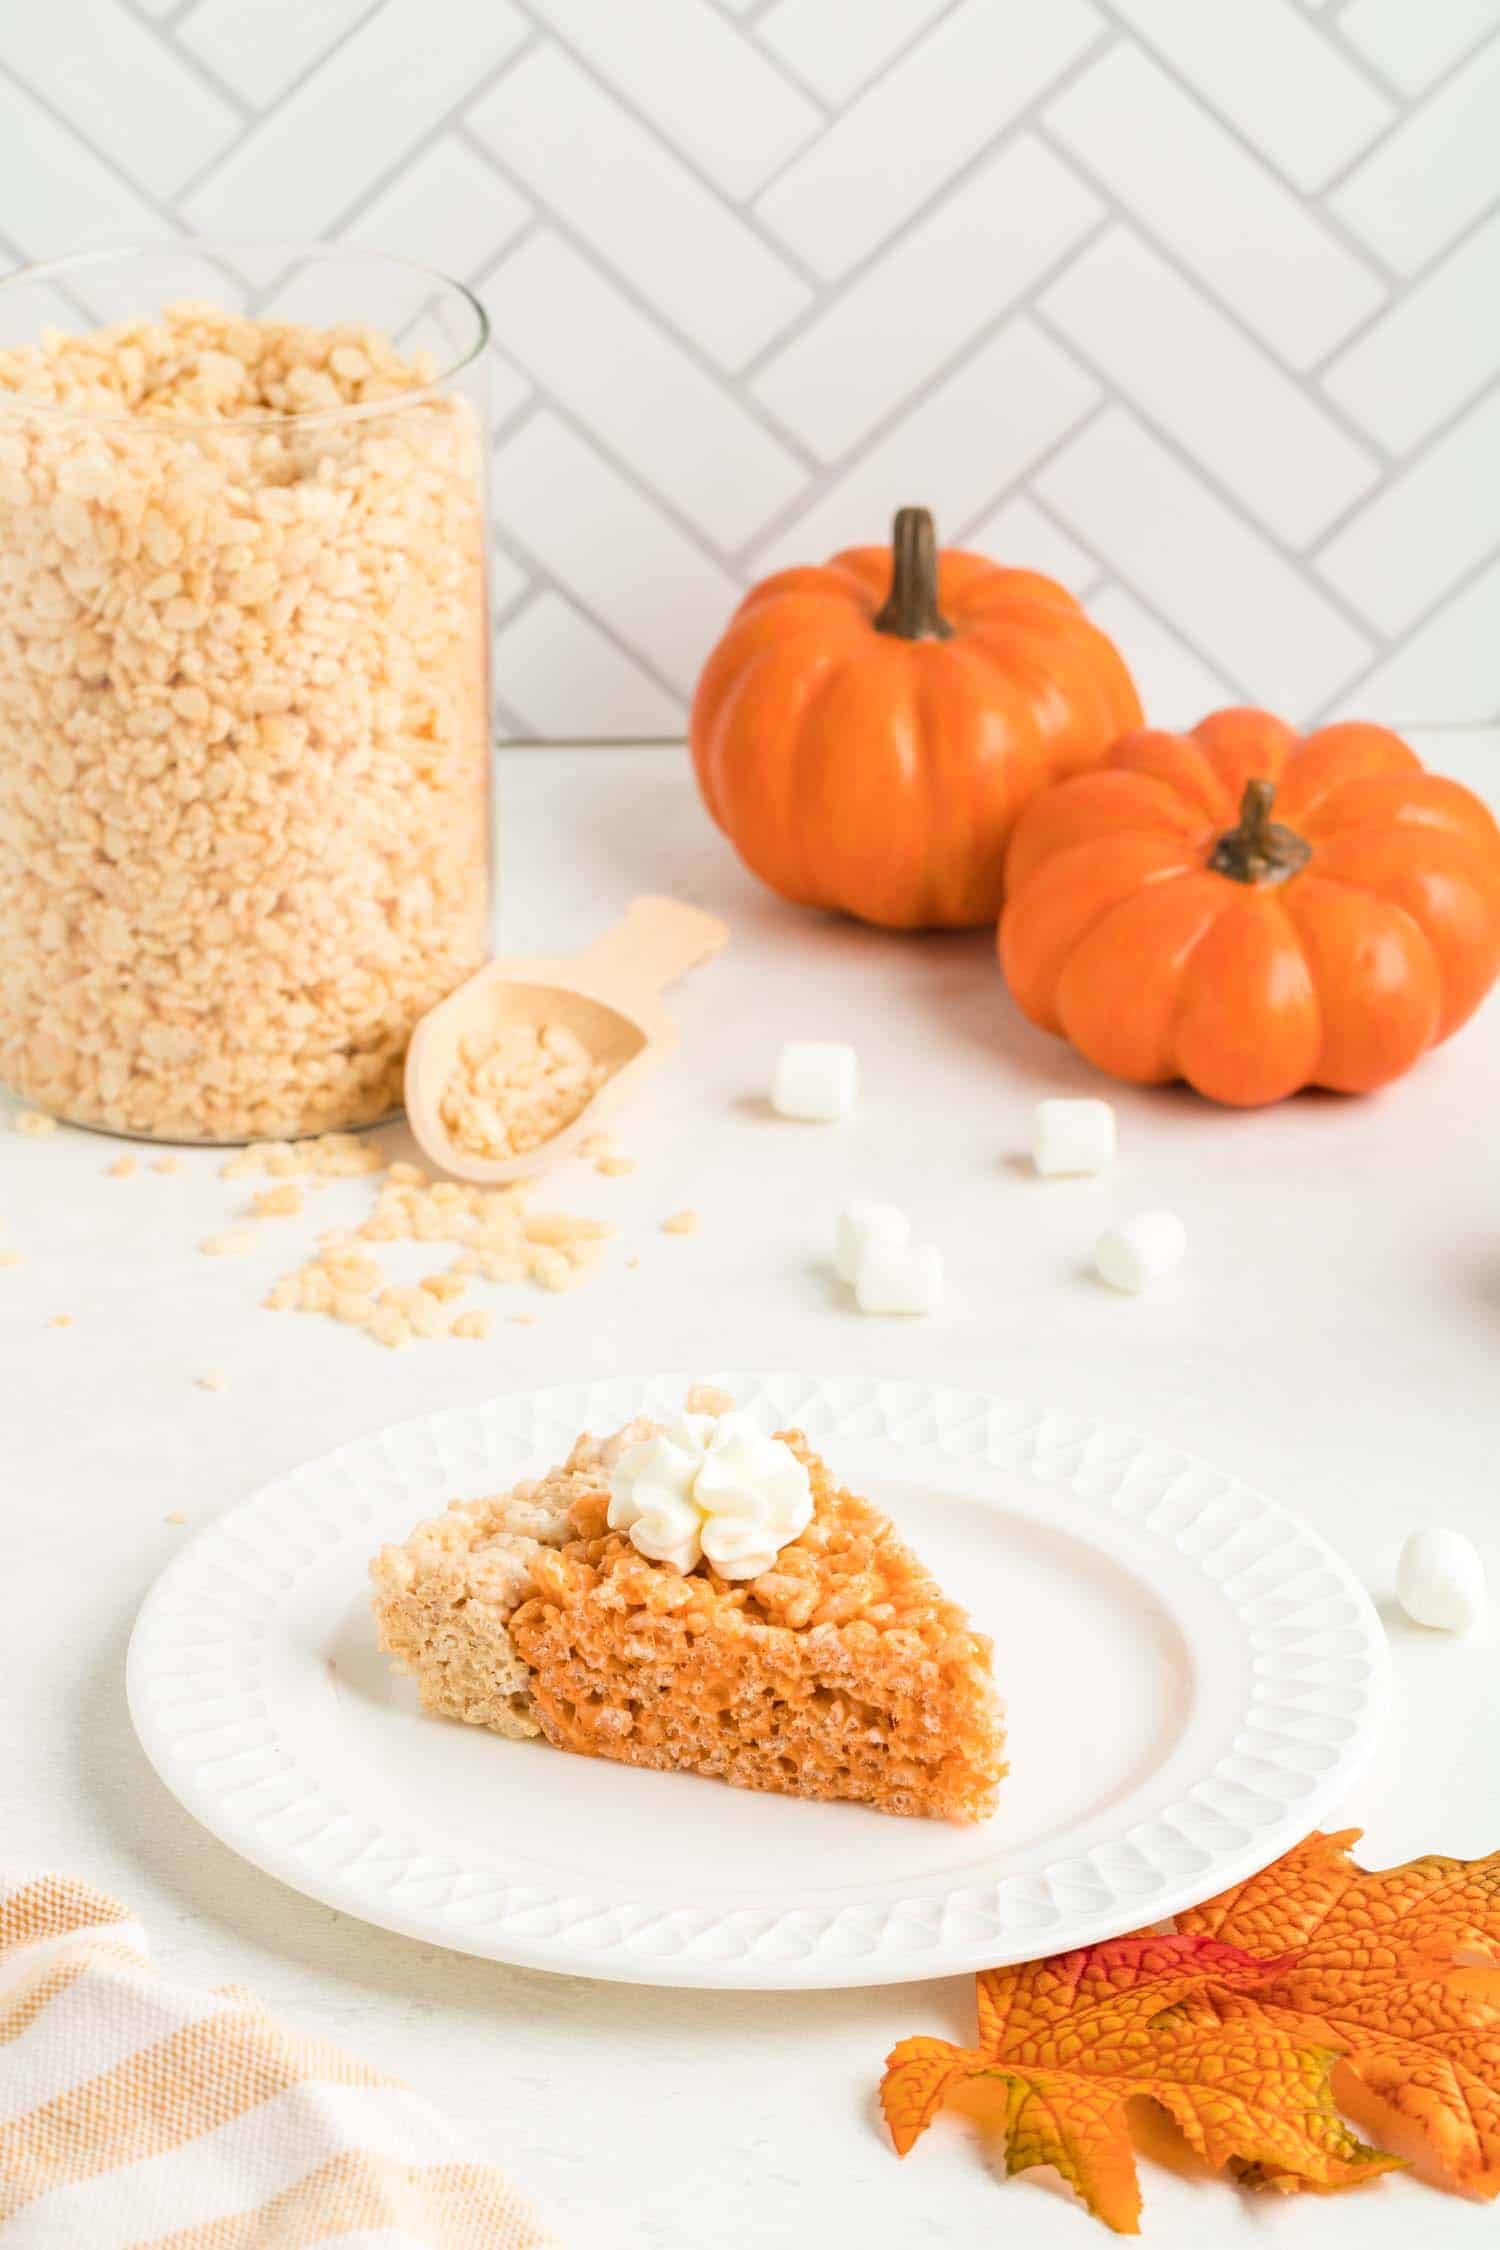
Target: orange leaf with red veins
column 1385, row 1959
column 1075, row 2037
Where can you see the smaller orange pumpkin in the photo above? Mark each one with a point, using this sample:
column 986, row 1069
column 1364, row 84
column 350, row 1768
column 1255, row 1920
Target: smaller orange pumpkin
column 866, row 732
column 1165, row 924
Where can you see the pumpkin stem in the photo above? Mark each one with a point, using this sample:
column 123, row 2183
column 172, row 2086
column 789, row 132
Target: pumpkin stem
column 1259, row 850
column 912, row 612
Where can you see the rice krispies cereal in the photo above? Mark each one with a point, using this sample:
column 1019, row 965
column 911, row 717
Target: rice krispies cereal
column 517, row 1086
column 243, row 722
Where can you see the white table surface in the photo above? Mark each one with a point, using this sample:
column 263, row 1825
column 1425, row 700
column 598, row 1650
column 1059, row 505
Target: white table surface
column 1332, row 1339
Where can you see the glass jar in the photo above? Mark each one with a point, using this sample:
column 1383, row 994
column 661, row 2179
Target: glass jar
column 244, row 724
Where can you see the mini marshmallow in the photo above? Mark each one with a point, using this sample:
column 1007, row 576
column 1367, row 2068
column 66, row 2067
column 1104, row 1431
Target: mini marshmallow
column 859, row 1225
column 814, row 1080
column 1072, row 1137
column 1440, row 1580
column 1141, row 1250
column 899, row 1277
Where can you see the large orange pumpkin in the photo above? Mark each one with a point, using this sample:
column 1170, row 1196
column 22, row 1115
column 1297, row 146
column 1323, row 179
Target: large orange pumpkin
column 865, row 733
column 1161, row 920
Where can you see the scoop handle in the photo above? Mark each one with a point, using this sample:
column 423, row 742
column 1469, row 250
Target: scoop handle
column 655, row 941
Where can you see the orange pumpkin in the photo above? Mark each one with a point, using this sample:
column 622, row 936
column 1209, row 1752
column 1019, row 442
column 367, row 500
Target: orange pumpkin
column 1166, row 925
column 865, row 733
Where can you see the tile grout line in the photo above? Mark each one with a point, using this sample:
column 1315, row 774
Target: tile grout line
column 1402, row 468
column 543, row 577
column 1291, row 558
column 732, row 383
column 835, row 105
column 837, row 113
column 1025, row 120
column 414, row 149
column 64, row 123
column 1313, row 200
column 549, row 221
column 1413, row 101
column 1199, row 285
column 832, row 467
column 165, row 35
column 293, row 86
column 1396, row 646
column 1295, row 558
column 350, row 214
column 606, row 87
column 1317, row 369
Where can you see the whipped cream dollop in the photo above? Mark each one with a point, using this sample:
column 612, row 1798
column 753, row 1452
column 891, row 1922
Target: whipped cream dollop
column 714, row 1485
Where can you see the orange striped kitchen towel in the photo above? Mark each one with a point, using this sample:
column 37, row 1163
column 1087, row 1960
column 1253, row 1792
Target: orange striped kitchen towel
column 136, row 2115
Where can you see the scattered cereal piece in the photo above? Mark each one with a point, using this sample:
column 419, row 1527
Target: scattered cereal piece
column 472, row 1324
column 557, row 1228
column 12, row 1258
column 61, row 1320
column 493, row 1233
column 814, row 1080
column 503, row 1269
column 166, row 1164
column 122, row 1167
column 614, row 1167
column 316, row 1292
column 681, row 1222
column 426, row 1317
column 231, row 1244
column 339, row 1156
column 632, row 1263
column 34, row 1123
column 176, row 1516
column 552, row 1269
column 346, row 1273
column 212, row 1379
column 278, row 1202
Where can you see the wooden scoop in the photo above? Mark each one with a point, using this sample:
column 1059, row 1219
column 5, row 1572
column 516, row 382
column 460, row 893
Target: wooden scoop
column 606, row 996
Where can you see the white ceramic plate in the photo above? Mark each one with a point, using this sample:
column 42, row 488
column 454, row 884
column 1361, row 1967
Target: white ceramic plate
column 1191, row 1675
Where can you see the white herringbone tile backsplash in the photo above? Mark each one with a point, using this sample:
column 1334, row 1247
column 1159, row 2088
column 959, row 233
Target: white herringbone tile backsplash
column 1193, row 303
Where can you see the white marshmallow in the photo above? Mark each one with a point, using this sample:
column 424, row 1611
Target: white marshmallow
column 1140, row 1250
column 1440, row 1580
column 899, row 1277
column 859, row 1225
column 815, row 1079
column 1072, row 1137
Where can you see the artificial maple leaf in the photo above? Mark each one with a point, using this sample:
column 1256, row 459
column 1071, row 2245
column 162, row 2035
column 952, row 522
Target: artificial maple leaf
column 1177, row 2018
column 1384, row 1960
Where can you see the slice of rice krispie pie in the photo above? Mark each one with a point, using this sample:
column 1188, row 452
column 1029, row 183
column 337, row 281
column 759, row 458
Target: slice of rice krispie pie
column 695, row 1595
